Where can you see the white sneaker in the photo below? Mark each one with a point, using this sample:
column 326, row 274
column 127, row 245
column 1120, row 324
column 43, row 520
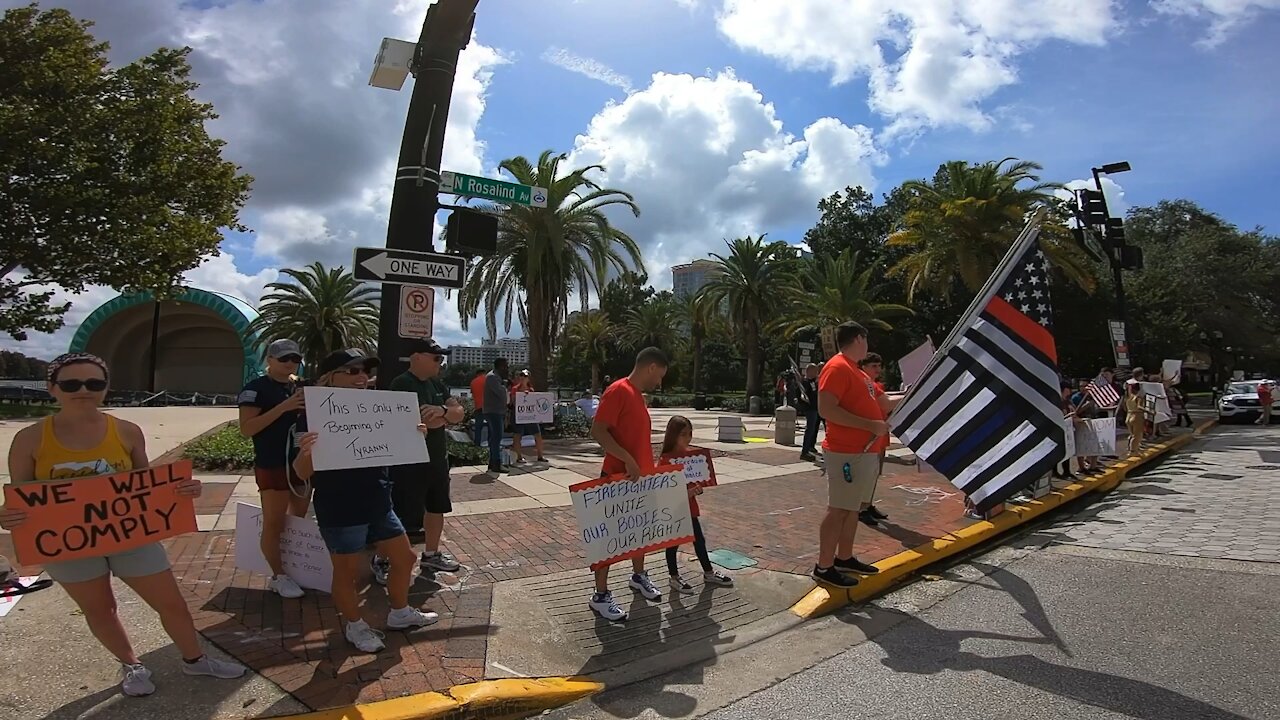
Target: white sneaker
column 285, row 587
column 641, row 583
column 604, row 606
column 410, row 617
column 365, row 638
column 136, row 680
column 213, row 667
column 678, row 585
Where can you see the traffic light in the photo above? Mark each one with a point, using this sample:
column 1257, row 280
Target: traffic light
column 471, row 232
column 1131, row 257
column 1115, row 232
column 1094, row 207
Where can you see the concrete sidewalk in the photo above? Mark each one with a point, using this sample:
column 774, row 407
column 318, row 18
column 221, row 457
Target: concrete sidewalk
column 518, row 607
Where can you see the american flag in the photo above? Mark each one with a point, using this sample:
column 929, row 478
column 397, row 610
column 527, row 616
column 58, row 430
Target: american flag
column 1103, row 393
column 987, row 413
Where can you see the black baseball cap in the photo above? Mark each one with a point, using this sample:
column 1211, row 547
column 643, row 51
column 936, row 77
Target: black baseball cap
column 343, row 358
column 424, row 345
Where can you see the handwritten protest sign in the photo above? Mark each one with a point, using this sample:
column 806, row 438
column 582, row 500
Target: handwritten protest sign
column 96, row 516
column 620, row 519
column 1070, row 437
column 698, row 468
column 535, row 408
column 913, row 364
column 1096, row 437
column 1155, row 404
column 302, row 550
column 364, row 428
column 1171, row 370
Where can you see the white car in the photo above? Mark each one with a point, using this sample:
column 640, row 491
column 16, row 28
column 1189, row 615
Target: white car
column 1239, row 401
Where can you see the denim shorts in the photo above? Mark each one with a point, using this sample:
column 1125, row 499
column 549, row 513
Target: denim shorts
column 351, row 539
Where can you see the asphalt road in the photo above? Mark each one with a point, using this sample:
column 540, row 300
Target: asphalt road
column 1096, row 615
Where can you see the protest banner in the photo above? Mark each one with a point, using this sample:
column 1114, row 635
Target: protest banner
column 913, row 364
column 303, row 554
column 1097, row 437
column 620, row 519
column 698, row 468
column 1070, row 437
column 535, row 408
column 364, row 428
column 1171, row 370
column 1155, row 404
column 96, row 516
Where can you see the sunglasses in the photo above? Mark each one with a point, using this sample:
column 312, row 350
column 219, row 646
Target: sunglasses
column 70, row 386
column 290, row 359
column 352, row 370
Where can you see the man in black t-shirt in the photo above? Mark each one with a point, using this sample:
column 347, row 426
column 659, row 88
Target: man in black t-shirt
column 269, row 407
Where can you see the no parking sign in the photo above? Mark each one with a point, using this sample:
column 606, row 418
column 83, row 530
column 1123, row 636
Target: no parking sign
column 417, row 308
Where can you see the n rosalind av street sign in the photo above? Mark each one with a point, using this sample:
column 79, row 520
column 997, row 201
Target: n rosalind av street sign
column 408, row 267
column 489, row 189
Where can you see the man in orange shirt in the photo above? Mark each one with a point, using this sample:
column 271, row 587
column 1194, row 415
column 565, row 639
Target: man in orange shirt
column 477, row 398
column 623, row 429
column 856, row 433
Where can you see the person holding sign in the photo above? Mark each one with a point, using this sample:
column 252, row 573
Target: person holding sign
column 1134, row 417
column 856, row 432
column 675, row 444
column 81, row 441
column 623, row 429
column 420, row 492
column 353, row 510
column 522, row 384
column 269, row 407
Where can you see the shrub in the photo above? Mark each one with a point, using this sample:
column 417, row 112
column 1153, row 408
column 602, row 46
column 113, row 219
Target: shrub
column 671, row 400
column 461, row 453
column 224, row 449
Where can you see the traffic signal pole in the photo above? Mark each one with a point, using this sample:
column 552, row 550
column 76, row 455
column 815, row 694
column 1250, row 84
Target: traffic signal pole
column 1113, row 256
column 414, row 199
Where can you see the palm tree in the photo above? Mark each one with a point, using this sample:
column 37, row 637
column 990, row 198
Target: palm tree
column 959, row 225
column 832, row 291
column 592, row 333
column 697, row 317
column 654, row 323
column 747, row 282
column 544, row 254
column 322, row 309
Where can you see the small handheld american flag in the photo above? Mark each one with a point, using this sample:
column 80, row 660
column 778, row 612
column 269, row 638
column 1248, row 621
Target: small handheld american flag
column 1103, row 393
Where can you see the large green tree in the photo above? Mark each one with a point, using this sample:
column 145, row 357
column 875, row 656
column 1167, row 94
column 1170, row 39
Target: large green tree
column 960, row 224
column 590, row 337
column 832, row 290
column 748, row 282
column 322, row 309
column 655, row 323
column 545, row 253
column 853, row 221
column 107, row 176
column 698, row 318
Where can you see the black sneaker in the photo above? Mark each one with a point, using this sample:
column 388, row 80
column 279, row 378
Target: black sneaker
column 875, row 512
column 856, row 566
column 499, row 470
column 866, row 518
column 808, row 457
column 833, row 577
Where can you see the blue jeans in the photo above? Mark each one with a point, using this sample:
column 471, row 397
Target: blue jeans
column 495, row 421
column 810, row 432
column 481, row 425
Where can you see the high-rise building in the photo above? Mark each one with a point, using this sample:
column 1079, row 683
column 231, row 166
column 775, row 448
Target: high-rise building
column 689, row 278
column 515, row 350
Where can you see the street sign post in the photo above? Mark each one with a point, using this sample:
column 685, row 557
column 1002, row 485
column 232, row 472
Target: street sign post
column 417, row 311
column 490, row 189
column 408, row 267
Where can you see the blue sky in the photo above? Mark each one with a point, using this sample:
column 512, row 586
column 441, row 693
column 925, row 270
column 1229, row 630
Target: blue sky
column 724, row 117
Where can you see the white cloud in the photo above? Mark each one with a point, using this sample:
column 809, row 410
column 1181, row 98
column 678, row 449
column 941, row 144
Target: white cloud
column 708, row 159
column 927, row 62
column 587, row 67
column 289, row 81
column 1224, row 16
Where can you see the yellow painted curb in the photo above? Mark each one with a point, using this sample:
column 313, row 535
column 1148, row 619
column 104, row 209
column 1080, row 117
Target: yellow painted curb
column 486, row 700
column 822, row 600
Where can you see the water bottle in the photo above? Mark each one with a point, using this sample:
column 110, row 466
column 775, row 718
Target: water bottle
column 848, row 473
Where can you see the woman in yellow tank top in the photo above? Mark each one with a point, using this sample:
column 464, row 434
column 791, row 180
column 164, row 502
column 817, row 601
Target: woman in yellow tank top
column 82, row 441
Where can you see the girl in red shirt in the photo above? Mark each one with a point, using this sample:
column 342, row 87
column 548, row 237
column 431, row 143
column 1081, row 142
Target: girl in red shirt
column 676, row 444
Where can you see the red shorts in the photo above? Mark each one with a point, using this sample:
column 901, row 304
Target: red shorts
column 276, row 478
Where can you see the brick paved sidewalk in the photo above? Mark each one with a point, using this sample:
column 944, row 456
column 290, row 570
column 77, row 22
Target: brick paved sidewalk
column 298, row 645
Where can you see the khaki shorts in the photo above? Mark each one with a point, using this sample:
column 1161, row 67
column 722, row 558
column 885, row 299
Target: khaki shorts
column 856, row 491
column 138, row 562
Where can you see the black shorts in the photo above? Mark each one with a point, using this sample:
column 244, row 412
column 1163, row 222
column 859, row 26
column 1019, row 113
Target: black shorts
column 419, row 488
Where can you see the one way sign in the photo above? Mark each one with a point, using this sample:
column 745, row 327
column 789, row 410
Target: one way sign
column 409, row 267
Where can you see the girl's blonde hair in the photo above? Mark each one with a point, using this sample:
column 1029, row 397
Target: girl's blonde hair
column 675, row 428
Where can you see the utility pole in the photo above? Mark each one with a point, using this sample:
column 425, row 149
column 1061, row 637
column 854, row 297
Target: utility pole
column 414, row 200
column 1113, row 256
